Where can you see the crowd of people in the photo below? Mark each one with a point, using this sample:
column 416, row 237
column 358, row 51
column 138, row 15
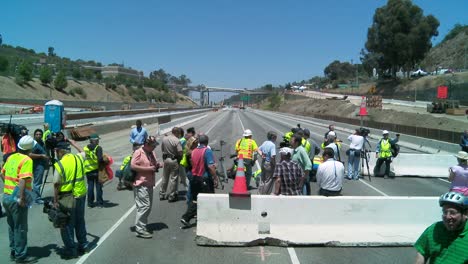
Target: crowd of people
column 187, row 155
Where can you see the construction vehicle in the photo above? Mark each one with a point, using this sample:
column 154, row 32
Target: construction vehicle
column 31, row 110
column 442, row 106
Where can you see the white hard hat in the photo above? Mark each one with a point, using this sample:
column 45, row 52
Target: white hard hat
column 384, row 132
column 286, row 151
column 26, row 143
column 247, row 133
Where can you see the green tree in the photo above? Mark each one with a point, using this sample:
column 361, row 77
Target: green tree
column 99, row 76
column 45, row 75
column 76, row 73
column 25, row 70
column 50, row 52
column 340, row 70
column 60, row 81
column 88, row 74
column 3, row 64
column 402, row 34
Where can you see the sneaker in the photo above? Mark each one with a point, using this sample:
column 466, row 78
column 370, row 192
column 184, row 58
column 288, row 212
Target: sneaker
column 91, row 205
column 184, row 222
column 26, row 260
column 144, row 234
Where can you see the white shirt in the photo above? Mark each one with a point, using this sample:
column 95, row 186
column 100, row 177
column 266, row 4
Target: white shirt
column 335, row 149
column 356, row 142
column 330, row 175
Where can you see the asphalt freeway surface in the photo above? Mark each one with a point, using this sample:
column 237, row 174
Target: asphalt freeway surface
column 111, row 228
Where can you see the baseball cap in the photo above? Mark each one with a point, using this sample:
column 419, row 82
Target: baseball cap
column 63, row 145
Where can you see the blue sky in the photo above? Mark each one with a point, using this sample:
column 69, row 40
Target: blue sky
column 228, row 43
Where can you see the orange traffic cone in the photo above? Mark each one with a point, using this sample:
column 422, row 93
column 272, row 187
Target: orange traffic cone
column 240, row 183
column 363, row 109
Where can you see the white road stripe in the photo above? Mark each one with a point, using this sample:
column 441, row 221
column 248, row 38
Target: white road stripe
column 242, row 125
column 112, row 229
column 293, row 256
column 372, row 187
column 443, row 180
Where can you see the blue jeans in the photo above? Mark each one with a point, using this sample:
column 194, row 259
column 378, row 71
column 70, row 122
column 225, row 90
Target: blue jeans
column 93, row 180
column 354, row 159
column 76, row 224
column 38, row 174
column 17, row 219
column 306, row 187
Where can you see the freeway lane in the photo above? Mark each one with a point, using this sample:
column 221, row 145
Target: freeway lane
column 171, row 244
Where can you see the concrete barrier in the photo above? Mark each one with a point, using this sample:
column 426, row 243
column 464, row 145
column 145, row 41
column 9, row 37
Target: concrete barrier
column 313, row 220
column 414, row 164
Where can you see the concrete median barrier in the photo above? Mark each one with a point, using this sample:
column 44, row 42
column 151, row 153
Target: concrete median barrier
column 312, row 220
column 415, row 164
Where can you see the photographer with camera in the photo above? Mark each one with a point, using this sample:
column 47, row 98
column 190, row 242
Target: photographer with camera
column 70, row 197
column 354, row 154
column 383, row 153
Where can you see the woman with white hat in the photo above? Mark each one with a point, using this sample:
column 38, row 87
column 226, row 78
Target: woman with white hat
column 458, row 174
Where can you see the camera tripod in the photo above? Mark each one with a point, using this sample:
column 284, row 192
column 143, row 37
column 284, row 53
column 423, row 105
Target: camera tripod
column 365, row 158
column 223, row 174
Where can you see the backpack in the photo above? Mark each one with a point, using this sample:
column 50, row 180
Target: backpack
column 128, row 174
column 395, row 148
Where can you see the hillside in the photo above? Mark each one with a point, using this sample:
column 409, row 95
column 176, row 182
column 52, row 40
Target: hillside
column 448, row 54
column 85, row 91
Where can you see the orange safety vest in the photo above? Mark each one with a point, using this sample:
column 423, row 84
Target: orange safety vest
column 244, row 147
column 18, row 166
column 8, row 144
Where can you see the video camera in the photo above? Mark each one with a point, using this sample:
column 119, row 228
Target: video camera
column 364, row 131
column 58, row 218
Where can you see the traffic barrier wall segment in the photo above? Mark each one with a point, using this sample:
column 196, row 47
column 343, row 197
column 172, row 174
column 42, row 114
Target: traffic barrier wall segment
column 412, row 164
column 313, row 220
column 107, row 127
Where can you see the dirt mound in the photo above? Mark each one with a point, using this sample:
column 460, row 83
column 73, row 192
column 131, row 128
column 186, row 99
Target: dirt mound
column 309, row 107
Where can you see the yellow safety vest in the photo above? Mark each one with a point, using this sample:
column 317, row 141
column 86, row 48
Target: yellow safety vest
column 246, row 147
column 125, row 161
column 45, row 135
column 184, row 160
column 69, row 166
column 91, row 162
column 306, row 144
column 18, row 166
column 287, row 137
column 385, row 151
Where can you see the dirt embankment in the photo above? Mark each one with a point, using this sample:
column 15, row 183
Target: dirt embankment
column 75, row 91
column 346, row 109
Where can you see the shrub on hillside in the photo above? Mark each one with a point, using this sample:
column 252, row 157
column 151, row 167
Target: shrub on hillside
column 79, row 91
column 45, row 75
column 60, row 81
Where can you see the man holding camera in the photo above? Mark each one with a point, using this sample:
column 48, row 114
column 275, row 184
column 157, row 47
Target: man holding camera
column 384, row 153
column 70, row 197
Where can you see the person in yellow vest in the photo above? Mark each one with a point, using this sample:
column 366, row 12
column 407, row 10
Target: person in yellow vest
column 17, row 176
column 384, row 153
column 93, row 160
column 246, row 147
column 70, row 197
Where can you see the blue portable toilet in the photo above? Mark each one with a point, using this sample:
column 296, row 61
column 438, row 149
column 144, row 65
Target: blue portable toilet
column 54, row 115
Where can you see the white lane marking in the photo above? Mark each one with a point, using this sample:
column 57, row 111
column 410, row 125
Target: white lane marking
column 372, row 187
column 112, row 229
column 242, row 125
column 293, row 256
column 211, row 128
column 444, row 180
